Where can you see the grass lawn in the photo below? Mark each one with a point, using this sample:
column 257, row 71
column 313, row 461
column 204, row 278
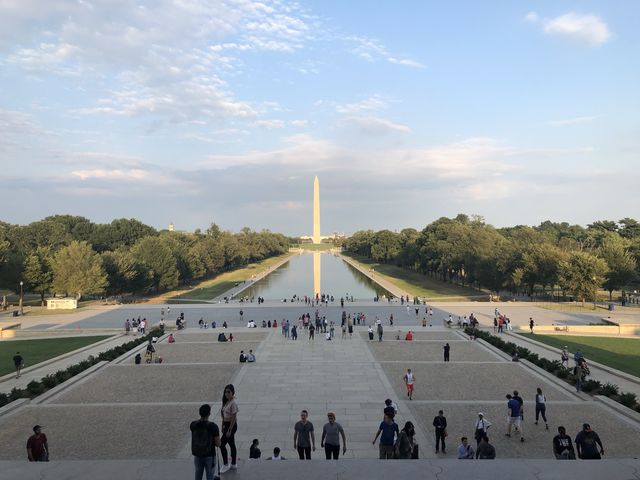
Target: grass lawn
column 36, row 351
column 214, row 287
column 620, row 353
column 421, row 285
column 571, row 307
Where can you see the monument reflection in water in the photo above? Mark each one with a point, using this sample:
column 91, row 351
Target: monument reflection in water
column 311, row 273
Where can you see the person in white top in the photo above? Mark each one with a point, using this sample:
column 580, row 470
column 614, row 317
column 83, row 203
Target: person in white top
column 276, row 455
column 409, row 379
column 541, row 407
column 481, row 427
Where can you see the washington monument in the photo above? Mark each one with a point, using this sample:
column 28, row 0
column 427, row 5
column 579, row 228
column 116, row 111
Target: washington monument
column 316, row 211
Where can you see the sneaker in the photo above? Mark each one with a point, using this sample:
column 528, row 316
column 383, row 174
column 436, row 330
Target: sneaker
column 522, row 439
column 234, row 466
column 546, row 425
column 507, row 434
column 225, row 468
column 535, row 423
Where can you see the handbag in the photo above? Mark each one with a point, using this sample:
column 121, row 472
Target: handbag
column 414, row 452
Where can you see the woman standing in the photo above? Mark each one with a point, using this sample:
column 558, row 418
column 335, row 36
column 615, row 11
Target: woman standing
column 330, row 441
column 405, row 441
column 229, row 412
column 541, row 407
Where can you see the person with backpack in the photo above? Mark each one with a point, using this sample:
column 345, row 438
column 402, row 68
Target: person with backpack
column 405, row 444
column 205, row 437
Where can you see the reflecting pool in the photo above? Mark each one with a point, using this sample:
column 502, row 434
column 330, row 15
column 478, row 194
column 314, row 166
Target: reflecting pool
column 315, row 272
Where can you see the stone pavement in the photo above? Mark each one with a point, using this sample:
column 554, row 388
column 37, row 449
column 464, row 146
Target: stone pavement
column 321, row 376
column 321, row 470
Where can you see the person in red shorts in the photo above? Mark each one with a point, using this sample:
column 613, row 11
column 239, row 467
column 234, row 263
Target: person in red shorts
column 37, row 446
column 409, row 379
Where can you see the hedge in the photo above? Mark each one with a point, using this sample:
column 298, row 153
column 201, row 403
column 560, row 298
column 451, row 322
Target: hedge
column 556, row 368
column 35, row 388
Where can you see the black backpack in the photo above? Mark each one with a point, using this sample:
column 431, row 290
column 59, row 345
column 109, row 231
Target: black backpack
column 201, row 440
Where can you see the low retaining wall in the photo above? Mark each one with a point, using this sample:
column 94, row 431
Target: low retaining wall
column 622, row 329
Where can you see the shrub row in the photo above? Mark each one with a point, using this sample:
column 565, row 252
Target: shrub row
column 35, row 388
column 556, row 368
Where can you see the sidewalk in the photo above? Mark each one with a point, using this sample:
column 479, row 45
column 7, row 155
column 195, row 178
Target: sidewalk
column 9, row 382
column 603, row 375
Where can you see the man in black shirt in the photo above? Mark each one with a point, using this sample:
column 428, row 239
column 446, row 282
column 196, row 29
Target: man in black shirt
column 562, row 446
column 440, row 422
column 205, row 437
column 18, row 362
column 587, row 442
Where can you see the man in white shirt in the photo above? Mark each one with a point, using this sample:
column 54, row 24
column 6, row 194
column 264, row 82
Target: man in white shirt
column 276, row 455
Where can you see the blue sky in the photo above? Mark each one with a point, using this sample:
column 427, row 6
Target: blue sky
column 200, row 111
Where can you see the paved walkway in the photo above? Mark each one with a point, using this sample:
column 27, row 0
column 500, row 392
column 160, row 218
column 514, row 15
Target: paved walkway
column 339, row 376
column 9, row 382
column 622, row 380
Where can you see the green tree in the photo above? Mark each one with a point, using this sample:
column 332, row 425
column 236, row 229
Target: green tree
column 78, row 269
column 156, row 255
column 37, row 274
column 125, row 273
column 582, row 274
column 622, row 266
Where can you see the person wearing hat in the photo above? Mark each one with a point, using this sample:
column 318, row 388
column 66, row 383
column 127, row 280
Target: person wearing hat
column 37, row 446
column 481, row 427
column 587, row 442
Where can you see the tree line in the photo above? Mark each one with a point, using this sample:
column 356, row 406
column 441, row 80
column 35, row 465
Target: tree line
column 70, row 255
column 519, row 259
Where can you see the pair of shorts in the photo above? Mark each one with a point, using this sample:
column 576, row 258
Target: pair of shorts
column 409, row 387
column 515, row 421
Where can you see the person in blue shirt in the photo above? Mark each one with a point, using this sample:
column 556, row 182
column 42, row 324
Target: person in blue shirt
column 387, row 432
column 513, row 407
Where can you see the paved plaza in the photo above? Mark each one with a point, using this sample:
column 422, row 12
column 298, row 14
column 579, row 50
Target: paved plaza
column 127, row 412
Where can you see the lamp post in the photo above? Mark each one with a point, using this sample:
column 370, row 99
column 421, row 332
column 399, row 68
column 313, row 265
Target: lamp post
column 21, row 298
column 595, row 293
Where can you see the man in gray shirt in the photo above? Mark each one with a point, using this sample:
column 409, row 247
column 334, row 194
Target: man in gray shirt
column 331, row 438
column 303, row 437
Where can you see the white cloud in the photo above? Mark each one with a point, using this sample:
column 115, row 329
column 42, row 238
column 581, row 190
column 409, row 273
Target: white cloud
column 532, row 17
column 588, row 29
column 162, row 58
column 374, row 102
column 117, row 174
column 270, row 124
column 376, row 126
column 373, row 50
column 572, row 121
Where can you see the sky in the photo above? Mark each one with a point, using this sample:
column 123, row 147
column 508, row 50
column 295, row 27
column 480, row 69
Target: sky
column 202, row 111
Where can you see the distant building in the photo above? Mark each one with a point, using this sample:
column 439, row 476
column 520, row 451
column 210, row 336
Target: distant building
column 171, row 227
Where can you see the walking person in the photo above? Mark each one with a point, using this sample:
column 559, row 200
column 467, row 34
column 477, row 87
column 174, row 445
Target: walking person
column 564, row 357
column 587, row 442
column 229, row 414
column 446, row 349
column 531, row 324
column 562, row 446
column 541, row 407
column 513, row 417
column 409, row 380
column 380, row 332
column 481, row 427
column 303, row 437
column 387, row 432
column 205, row 437
column 579, row 374
column 440, row 424
column 18, row 362
column 37, row 446
column 331, row 432
column 406, row 444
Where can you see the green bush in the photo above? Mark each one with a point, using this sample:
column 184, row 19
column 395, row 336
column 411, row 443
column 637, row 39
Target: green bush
column 609, row 390
column 50, row 381
column 35, row 388
column 17, row 393
column 4, row 399
column 629, row 400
